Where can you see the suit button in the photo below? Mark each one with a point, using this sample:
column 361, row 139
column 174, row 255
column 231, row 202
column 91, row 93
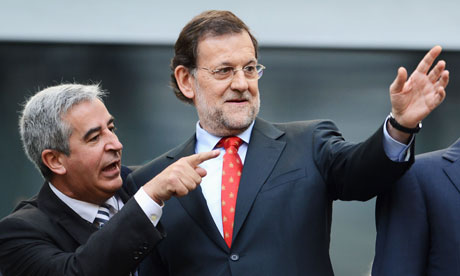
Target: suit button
column 234, row 257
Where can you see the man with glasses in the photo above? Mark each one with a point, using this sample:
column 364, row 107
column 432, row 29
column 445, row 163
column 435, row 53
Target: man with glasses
column 265, row 206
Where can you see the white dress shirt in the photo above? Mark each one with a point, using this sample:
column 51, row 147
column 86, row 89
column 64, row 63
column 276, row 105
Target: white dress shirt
column 211, row 183
column 88, row 211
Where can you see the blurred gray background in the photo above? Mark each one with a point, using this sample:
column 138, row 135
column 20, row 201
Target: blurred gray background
column 332, row 60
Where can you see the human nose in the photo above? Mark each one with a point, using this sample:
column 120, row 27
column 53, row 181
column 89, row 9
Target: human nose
column 113, row 143
column 239, row 81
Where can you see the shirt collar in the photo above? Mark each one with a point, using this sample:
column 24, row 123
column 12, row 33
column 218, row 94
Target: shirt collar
column 85, row 210
column 207, row 141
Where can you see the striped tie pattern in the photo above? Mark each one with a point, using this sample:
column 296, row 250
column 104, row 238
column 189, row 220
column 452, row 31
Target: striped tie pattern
column 102, row 215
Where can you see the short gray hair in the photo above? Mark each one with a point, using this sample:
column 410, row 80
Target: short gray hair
column 41, row 123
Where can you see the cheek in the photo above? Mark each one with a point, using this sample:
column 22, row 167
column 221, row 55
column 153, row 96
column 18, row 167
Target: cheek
column 254, row 88
column 87, row 160
column 214, row 95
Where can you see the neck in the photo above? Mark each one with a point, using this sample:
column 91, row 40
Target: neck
column 223, row 132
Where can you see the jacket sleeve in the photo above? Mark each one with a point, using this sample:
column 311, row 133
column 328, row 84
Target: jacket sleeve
column 28, row 248
column 354, row 171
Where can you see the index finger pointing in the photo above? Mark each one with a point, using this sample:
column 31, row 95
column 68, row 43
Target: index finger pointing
column 198, row 158
column 428, row 59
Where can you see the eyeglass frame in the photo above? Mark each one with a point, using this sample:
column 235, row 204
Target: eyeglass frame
column 213, row 72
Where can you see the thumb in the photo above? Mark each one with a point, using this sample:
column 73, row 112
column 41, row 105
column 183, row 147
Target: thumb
column 399, row 81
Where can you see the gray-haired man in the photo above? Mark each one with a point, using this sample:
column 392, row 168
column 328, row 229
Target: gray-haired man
column 68, row 134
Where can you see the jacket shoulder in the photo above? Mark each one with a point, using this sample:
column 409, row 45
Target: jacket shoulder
column 26, row 215
column 309, row 127
column 308, row 124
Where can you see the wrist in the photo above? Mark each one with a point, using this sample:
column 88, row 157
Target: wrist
column 152, row 192
column 159, row 201
column 401, row 127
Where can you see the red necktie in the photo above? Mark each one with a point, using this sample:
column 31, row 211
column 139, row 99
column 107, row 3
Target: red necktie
column 231, row 174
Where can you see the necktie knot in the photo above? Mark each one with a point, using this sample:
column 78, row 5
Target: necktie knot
column 230, row 142
column 102, row 216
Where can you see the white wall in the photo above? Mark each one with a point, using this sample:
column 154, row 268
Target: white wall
column 413, row 24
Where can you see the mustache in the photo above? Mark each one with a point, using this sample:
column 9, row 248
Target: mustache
column 245, row 96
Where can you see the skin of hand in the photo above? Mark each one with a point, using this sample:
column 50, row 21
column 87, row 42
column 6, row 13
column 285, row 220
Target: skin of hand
column 414, row 98
column 179, row 178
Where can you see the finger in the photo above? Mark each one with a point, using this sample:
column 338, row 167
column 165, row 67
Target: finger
column 189, row 177
column 201, row 172
column 191, row 181
column 198, row 158
column 180, row 190
column 440, row 96
column 195, row 176
column 428, row 59
column 399, row 81
column 435, row 73
column 444, row 79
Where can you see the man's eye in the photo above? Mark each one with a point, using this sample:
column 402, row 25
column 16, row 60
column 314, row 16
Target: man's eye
column 250, row 69
column 223, row 71
column 112, row 129
column 94, row 138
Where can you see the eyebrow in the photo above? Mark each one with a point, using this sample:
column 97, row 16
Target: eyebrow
column 96, row 129
column 226, row 63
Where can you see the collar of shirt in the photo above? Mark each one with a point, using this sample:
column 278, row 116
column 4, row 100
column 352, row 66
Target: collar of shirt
column 86, row 210
column 207, row 141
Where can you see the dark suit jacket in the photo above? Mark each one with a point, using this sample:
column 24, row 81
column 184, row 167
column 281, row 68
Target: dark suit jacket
column 43, row 236
column 418, row 222
column 291, row 175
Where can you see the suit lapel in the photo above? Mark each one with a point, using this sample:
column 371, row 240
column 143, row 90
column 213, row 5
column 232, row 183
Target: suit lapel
column 453, row 169
column 263, row 153
column 195, row 203
column 70, row 221
column 263, row 147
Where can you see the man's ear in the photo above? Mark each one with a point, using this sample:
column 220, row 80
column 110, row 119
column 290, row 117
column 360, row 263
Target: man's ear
column 53, row 160
column 185, row 81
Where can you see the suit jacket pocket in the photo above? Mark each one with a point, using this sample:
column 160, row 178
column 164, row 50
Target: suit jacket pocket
column 284, row 178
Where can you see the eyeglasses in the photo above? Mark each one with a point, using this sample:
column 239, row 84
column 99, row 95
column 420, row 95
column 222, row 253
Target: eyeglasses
column 251, row 72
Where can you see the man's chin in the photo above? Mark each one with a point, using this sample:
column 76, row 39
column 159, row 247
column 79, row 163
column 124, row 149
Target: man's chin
column 114, row 184
column 237, row 126
column 239, row 121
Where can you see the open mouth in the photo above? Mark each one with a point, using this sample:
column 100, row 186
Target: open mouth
column 112, row 168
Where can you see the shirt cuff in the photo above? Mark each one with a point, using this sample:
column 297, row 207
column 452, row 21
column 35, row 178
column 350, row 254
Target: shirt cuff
column 395, row 150
column 151, row 209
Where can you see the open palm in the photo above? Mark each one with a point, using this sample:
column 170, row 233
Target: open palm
column 414, row 98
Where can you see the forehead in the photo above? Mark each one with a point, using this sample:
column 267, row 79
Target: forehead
column 87, row 114
column 229, row 48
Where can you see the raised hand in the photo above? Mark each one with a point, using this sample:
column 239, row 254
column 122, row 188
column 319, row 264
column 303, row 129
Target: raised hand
column 179, row 178
column 414, row 98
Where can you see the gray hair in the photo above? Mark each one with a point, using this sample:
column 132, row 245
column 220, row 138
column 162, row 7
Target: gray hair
column 41, row 123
